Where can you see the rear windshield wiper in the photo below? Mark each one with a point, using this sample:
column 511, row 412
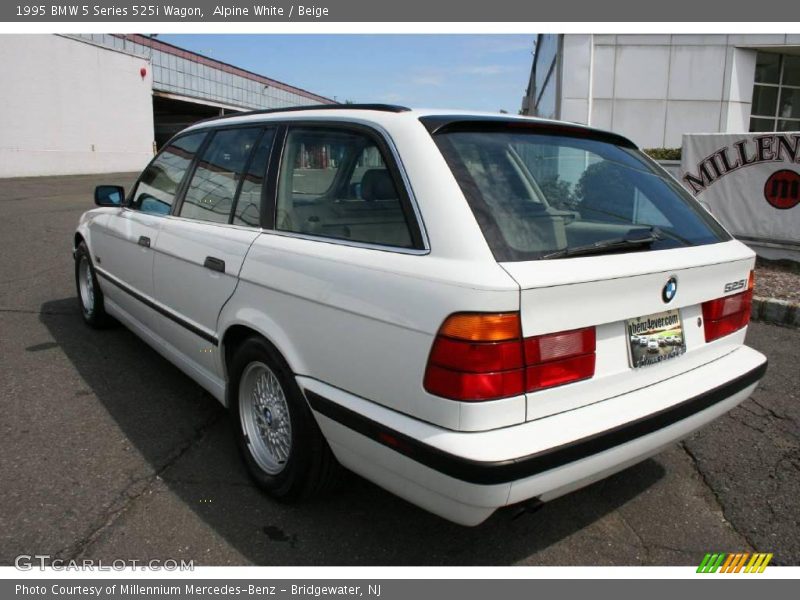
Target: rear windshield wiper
column 608, row 246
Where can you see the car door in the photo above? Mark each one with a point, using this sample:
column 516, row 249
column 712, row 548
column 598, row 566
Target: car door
column 122, row 241
column 341, row 272
column 201, row 246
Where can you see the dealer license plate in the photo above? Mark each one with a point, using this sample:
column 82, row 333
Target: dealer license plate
column 655, row 338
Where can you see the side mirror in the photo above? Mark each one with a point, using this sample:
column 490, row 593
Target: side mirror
column 109, row 195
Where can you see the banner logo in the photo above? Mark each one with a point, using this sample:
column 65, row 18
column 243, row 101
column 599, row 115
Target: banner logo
column 782, row 189
column 771, row 148
column 735, row 563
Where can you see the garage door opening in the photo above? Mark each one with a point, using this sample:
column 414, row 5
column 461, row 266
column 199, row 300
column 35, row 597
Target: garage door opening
column 171, row 116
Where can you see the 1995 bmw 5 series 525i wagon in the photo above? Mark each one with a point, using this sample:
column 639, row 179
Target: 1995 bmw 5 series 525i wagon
column 449, row 304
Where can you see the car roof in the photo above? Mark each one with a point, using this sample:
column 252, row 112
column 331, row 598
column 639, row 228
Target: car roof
column 434, row 120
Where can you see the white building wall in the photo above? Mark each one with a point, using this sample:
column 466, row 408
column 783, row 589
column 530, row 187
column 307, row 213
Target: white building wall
column 576, row 69
column 739, row 90
column 655, row 88
column 70, row 107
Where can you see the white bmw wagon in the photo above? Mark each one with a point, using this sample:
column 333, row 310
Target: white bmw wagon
column 448, row 304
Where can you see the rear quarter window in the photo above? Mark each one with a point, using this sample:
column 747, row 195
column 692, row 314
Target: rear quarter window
column 337, row 183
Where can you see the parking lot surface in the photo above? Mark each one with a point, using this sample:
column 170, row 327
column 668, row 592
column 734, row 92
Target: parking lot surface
column 110, row 452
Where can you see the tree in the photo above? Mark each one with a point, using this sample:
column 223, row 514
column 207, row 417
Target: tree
column 558, row 192
column 605, row 192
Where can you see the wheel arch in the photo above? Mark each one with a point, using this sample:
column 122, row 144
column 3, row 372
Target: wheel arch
column 312, row 468
column 250, row 323
column 77, row 239
column 82, row 234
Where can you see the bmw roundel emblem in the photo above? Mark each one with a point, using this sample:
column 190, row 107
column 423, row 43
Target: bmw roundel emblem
column 670, row 289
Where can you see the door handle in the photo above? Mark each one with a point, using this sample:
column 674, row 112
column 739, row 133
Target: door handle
column 144, row 241
column 215, row 264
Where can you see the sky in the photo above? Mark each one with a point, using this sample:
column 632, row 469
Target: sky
column 473, row 72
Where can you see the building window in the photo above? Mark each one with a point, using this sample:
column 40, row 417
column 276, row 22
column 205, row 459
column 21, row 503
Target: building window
column 776, row 93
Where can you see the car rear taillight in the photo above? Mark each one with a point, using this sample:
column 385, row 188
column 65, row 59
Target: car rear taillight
column 482, row 356
column 559, row 358
column 477, row 356
column 725, row 315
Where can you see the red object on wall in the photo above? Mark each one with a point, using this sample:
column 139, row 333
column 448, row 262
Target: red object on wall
column 143, row 72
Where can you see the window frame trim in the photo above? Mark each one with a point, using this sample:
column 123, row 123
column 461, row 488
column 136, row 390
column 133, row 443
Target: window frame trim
column 246, row 170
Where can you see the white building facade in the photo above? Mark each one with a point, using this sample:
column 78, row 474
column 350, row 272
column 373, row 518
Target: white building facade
column 655, row 88
column 61, row 117
column 101, row 103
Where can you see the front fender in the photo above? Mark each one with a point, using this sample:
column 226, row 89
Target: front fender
column 84, row 228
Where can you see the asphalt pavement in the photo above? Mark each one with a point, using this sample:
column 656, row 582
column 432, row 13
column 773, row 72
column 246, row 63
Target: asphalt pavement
column 108, row 451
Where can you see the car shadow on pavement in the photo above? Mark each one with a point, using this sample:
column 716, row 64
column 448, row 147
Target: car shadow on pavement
column 186, row 439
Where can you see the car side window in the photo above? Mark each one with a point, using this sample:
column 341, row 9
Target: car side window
column 211, row 190
column 248, row 204
column 335, row 183
column 159, row 182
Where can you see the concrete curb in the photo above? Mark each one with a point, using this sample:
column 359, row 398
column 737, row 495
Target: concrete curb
column 772, row 310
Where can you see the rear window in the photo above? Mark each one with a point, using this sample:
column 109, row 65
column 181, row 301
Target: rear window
column 538, row 195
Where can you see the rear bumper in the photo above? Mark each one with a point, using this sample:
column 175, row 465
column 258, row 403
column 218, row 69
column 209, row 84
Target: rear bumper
column 465, row 476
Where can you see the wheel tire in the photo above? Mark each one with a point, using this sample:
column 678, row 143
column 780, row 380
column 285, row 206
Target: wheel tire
column 299, row 463
column 90, row 296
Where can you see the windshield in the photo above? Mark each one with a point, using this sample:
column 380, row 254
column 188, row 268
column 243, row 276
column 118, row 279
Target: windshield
column 538, row 195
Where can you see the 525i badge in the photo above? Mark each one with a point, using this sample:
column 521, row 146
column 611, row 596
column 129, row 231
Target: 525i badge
column 735, row 285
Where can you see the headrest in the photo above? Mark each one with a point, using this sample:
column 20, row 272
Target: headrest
column 377, row 184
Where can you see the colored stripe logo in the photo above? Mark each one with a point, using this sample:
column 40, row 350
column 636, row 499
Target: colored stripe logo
column 741, row 562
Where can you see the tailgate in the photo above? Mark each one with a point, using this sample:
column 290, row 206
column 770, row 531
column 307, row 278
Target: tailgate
column 608, row 291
